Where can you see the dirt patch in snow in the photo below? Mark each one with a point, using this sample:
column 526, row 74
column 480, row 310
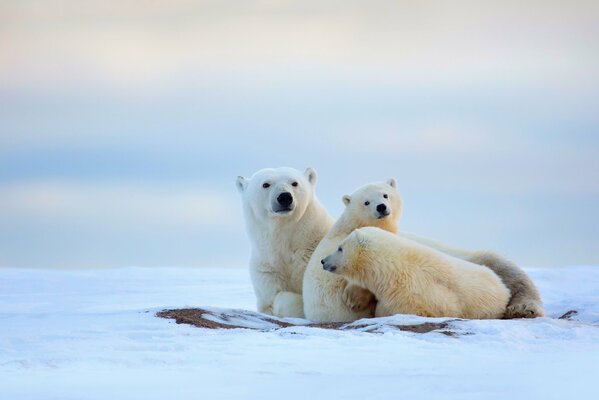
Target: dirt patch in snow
column 242, row 319
column 569, row 315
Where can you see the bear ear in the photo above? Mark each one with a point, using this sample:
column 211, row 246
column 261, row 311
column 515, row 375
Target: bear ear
column 391, row 182
column 346, row 199
column 310, row 174
column 241, row 183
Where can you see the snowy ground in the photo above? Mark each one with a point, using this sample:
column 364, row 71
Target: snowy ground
column 92, row 334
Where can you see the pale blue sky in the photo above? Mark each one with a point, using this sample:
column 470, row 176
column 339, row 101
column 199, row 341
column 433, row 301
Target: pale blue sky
column 123, row 128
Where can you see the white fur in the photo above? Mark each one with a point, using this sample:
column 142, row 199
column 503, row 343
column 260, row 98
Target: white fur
column 281, row 243
column 323, row 291
column 525, row 300
column 409, row 278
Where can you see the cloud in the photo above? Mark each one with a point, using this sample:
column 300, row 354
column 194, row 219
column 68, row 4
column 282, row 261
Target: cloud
column 81, row 224
column 424, row 139
column 113, row 44
column 122, row 206
column 105, row 104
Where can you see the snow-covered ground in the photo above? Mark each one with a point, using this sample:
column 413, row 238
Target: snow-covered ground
column 92, row 334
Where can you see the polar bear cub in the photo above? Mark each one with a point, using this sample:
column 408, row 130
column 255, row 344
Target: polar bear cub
column 328, row 297
column 409, row 278
column 525, row 301
column 285, row 222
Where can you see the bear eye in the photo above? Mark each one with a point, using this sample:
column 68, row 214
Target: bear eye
column 266, row 185
column 340, row 250
column 294, row 184
column 385, row 196
column 366, row 203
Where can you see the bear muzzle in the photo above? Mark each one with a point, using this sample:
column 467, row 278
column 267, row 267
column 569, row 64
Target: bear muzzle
column 382, row 210
column 285, row 199
column 327, row 266
column 283, row 203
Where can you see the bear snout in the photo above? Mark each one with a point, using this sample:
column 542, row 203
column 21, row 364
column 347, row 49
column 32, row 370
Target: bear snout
column 327, row 267
column 285, row 199
column 382, row 210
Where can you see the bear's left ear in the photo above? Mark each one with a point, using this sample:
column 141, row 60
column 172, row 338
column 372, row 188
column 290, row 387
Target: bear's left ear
column 346, row 199
column 241, row 183
column 310, row 174
column 391, row 182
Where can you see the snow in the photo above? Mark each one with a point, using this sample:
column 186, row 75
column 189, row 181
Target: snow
column 92, row 334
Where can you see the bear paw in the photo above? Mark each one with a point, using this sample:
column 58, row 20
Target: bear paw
column 288, row 304
column 358, row 299
column 524, row 309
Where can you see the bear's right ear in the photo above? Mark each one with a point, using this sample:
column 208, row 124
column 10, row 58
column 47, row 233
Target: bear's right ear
column 392, row 182
column 310, row 174
column 346, row 199
column 241, row 183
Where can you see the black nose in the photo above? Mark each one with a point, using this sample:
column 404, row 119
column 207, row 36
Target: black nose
column 381, row 208
column 322, row 261
column 285, row 199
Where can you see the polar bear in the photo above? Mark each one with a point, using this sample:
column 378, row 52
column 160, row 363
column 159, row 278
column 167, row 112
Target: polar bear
column 525, row 300
column 328, row 297
column 285, row 222
column 409, row 278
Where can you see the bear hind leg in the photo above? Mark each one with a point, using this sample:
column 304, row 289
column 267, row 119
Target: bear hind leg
column 525, row 300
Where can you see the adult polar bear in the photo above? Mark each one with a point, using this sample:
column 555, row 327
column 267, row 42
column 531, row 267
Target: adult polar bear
column 285, row 223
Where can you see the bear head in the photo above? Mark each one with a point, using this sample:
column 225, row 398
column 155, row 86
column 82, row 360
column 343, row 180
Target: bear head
column 376, row 204
column 348, row 256
column 279, row 193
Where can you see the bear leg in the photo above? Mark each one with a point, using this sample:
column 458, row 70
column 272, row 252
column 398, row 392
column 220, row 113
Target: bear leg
column 288, row 304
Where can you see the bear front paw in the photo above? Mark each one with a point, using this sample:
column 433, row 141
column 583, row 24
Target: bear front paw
column 358, row 299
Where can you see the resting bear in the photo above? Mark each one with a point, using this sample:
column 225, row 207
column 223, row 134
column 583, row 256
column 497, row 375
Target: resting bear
column 409, row 278
column 328, row 297
column 525, row 300
column 285, row 222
